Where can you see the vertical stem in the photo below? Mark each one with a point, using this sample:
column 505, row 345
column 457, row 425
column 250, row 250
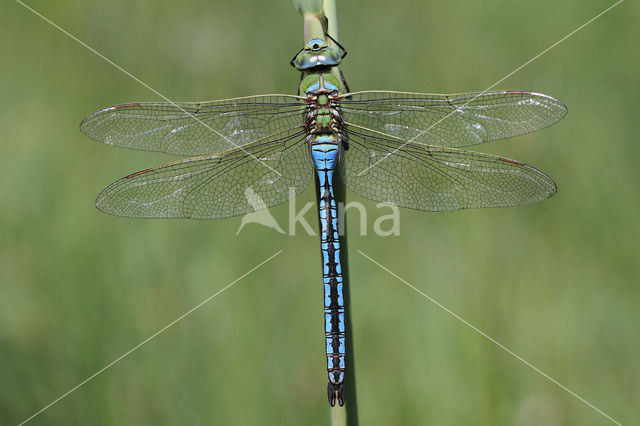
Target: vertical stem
column 331, row 12
column 313, row 27
column 351, row 407
column 347, row 415
column 320, row 19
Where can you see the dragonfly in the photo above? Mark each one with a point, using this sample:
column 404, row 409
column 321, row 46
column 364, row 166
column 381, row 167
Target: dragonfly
column 398, row 148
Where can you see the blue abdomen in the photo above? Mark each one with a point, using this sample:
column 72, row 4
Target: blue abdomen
column 325, row 154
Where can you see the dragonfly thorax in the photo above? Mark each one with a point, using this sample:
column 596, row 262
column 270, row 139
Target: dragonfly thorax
column 319, row 83
column 323, row 120
column 323, row 114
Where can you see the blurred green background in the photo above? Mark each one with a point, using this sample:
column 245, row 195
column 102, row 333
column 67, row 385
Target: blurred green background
column 556, row 282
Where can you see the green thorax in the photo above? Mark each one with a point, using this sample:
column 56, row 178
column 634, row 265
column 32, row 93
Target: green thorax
column 322, row 91
column 320, row 83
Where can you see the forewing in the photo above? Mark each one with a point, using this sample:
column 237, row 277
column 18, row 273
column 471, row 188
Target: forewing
column 452, row 120
column 235, row 182
column 417, row 176
column 194, row 128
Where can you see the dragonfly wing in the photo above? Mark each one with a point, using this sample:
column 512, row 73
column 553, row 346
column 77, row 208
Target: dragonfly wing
column 194, row 128
column 452, row 120
column 235, row 182
column 417, row 176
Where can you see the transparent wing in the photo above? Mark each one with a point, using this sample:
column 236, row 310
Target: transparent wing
column 417, row 176
column 235, row 182
column 194, row 128
column 452, row 120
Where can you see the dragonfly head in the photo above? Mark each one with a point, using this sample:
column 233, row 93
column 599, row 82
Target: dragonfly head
column 317, row 53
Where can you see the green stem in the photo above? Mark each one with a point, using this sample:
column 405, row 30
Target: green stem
column 313, row 26
column 348, row 414
column 350, row 410
column 331, row 12
column 317, row 22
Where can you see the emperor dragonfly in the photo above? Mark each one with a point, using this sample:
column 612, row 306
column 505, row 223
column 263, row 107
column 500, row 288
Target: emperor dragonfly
column 392, row 147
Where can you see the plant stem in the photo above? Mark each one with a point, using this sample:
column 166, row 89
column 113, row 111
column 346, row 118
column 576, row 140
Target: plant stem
column 347, row 415
column 316, row 24
column 331, row 13
column 350, row 409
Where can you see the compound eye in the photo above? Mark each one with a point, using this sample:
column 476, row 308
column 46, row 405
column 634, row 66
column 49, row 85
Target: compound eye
column 315, row 44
